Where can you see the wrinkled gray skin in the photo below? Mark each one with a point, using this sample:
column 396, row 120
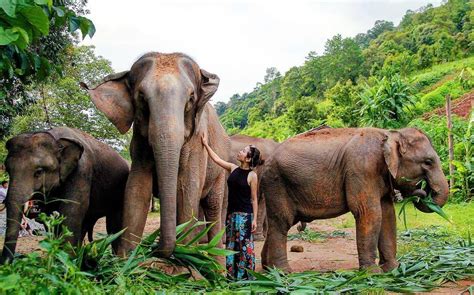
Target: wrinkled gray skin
column 266, row 146
column 166, row 97
column 326, row 173
column 75, row 174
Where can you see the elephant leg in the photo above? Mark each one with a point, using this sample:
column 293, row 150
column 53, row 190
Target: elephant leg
column 280, row 219
column 388, row 236
column 368, row 218
column 212, row 206
column 74, row 210
column 136, row 203
column 113, row 222
column 137, row 195
column 188, row 204
column 259, row 235
column 274, row 252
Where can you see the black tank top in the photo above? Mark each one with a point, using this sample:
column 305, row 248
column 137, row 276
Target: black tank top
column 240, row 199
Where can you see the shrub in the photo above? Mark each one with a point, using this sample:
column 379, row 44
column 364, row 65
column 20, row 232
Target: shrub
column 384, row 104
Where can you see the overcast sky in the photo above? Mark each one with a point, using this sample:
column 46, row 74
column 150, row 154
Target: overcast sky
column 236, row 40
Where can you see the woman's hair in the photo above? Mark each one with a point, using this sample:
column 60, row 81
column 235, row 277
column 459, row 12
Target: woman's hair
column 254, row 155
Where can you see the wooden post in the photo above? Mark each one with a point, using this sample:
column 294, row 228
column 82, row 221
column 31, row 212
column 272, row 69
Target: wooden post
column 450, row 141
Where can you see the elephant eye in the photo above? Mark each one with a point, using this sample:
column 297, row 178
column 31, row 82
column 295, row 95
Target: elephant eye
column 39, row 172
column 428, row 162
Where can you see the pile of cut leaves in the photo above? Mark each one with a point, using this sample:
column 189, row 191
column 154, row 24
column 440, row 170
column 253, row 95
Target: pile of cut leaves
column 420, row 270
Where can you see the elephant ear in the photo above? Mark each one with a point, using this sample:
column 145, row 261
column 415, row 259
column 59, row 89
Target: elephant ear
column 70, row 153
column 393, row 149
column 113, row 98
column 209, row 85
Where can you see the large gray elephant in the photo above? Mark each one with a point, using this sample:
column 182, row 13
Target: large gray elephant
column 166, row 97
column 326, row 173
column 66, row 170
column 266, row 147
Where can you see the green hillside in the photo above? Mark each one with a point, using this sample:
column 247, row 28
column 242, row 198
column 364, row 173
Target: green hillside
column 387, row 77
column 355, row 82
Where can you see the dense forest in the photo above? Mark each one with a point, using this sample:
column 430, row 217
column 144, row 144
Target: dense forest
column 389, row 77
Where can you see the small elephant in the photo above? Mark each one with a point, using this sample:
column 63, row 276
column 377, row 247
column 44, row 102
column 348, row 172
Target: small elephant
column 326, row 173
column 68, row 171
column 166, row 97
column 266, row 147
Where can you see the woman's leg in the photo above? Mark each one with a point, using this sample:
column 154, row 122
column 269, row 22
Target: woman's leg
column 247, row 254
column 231, row 244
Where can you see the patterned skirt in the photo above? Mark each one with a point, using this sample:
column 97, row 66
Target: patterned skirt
column 239, row 238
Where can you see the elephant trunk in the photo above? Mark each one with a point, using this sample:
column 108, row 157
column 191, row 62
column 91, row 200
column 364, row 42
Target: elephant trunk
column 14, row 203
column 166, row 138
column 439, row 188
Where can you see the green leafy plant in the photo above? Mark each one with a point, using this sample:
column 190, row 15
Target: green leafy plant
column 33, row 33
column 23, row 23
column 427, row 201
column 385, row 104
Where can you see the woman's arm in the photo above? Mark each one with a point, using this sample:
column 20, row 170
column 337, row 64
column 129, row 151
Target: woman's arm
column 215, row 157
column 253, row 191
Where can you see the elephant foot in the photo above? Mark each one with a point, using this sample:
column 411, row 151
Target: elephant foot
column 390, row 265
column 259, row 237
column 372, row 268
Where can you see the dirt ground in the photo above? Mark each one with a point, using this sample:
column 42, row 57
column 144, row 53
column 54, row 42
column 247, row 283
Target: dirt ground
column 326, row 255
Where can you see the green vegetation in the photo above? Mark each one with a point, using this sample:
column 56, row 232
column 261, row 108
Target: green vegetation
column 461, row 216
column 63, row 269
column 388, row 77
column 62, row 102
column 309, row 235
column 371, row 79
column 33, row 34
column 92, row 268
column 419, row 271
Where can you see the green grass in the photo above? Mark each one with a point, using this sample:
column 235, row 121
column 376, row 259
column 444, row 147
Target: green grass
column 461, row 215
column 425, row 79
column 310, row 235
column 433, row 84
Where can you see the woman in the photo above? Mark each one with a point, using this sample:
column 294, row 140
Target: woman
column 242, row 209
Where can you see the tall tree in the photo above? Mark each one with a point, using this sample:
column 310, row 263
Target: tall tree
column 61, row 101
column 32, row 36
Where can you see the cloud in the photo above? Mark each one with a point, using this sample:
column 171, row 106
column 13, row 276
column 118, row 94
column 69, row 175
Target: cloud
column 237, row 40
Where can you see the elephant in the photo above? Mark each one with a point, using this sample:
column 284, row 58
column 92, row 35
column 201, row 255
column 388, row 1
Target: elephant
column 326, row 173
column 266, row 147
column 68, row 171
column 166, row 97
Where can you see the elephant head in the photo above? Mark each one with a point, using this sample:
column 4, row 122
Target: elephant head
column 410, row 157
column 164, row 96
column 36, row 163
